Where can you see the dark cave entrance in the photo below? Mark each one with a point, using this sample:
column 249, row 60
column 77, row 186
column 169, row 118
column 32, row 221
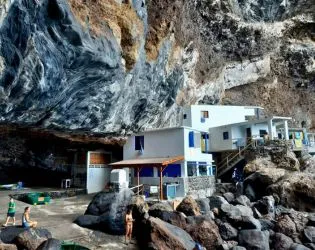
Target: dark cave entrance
column 41, row 158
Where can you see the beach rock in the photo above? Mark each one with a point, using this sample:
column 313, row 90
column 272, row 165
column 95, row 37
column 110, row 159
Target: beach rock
column 256, row 213
column 206, row 232
column 227, row 232
column 161, row 206
column 227, row 245
column 204, row 205
column 189, row 206
column 162, row 235
column 217, row 201
column 8, row 234
column 299, row 218
column 309, row 234
column 175, row 218
column 250, row 193
column 229, row 196
column 286, row 226
column 4, row 246
column 266, row 224
column 89, row 221
column 266, row 205
column 254, row 239
column 242, row 200
column 235, row 213
column 50, row 244
column 281, row 241
column 111, row 209
column 238, row 248
column 31, row 239
column 248, row 222
column 296, row 246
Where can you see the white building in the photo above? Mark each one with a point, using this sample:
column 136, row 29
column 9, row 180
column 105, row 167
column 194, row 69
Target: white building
column 203, row 117
column 190, row 168
column 233, row 136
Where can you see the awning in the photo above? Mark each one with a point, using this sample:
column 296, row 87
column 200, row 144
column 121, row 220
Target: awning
column 147, row 161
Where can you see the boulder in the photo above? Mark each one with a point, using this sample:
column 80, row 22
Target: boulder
column 250, row 193
column 296, row 191
column 227, row 245
column 4, row 246
column 286, row 226
column 242, row 200
column 8, row 234
column 175, row 218
column 161, row 235
column 229, row 196
column 217, row 201
column 189, row 206
column 204, row 205
column 248, row 222
column 266, row 205
column 238, row 248
column 88, row 221
column 105, row 202
column 266, row 224
column 254, row 239
column 235, row 212
column 309, row 234
column 227, row 232
column 31, row 239
column 111, row 208
column 299, row 218
column 161, row 206
column 50, row 244
column 296, row 246
column 281, row 241
column 206, row 232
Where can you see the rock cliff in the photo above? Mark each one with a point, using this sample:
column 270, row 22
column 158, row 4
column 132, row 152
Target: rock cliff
column 119, row 66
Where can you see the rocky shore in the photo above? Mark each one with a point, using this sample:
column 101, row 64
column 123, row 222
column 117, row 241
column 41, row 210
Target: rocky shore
column 276, row 211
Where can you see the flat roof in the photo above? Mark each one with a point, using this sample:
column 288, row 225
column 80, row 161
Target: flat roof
column 226, row 106
column 169, row 128
column 258, row 121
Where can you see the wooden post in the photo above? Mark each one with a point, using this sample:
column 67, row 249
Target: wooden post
column 161, row 183
column 138, row 179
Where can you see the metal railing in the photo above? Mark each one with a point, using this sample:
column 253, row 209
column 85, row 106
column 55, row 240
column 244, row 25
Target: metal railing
column 139, row 189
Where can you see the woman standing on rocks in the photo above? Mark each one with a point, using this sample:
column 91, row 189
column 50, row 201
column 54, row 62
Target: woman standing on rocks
column 128, row 221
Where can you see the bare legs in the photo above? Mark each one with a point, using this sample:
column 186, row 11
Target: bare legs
column 8, row 219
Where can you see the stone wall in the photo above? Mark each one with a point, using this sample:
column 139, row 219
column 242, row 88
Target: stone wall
column 200, row 186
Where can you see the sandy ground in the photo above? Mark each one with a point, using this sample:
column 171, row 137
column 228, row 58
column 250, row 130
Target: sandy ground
column 58, row 216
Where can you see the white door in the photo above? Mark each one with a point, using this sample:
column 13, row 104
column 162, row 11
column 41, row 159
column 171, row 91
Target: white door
column 98, row 172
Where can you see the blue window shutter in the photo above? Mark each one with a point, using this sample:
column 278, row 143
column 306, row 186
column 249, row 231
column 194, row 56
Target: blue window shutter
column 191, row 139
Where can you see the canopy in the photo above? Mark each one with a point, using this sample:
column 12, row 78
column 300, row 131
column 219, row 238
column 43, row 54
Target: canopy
column 147, row 161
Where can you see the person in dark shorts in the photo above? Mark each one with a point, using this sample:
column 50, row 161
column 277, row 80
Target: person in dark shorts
column 11, row 212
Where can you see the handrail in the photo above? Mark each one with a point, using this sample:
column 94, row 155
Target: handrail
column 139, row 187
column 227, row 160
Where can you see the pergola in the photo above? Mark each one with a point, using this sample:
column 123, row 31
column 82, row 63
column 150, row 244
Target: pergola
column 139, row 164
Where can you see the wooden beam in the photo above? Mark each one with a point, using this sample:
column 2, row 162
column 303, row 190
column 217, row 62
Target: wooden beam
column 161, row 183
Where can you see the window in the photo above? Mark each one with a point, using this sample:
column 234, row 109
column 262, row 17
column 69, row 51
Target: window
column 204, row 142
column 139, row 142
column 225, row 135
column 185, row 116
column 203, row 171
column 192, row 168
column 191, row 139
column 262, row 132
column 204, row 114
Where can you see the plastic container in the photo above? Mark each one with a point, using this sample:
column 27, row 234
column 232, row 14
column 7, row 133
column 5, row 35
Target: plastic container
column 37, row 198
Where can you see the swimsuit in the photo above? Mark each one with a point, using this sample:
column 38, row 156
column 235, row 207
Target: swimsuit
column 25, row 224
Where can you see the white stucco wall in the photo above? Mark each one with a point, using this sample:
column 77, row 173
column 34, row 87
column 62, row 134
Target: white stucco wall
column 216, row 139
column 159, row 143
column 261, row 126
column 218, row 115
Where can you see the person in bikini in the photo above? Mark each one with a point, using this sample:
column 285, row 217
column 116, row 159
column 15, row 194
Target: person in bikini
column 26, row 222
column 129, row 224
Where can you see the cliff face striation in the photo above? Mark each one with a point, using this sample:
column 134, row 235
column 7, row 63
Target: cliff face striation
column 119, row 66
